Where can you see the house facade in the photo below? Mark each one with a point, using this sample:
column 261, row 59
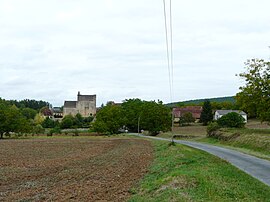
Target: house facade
column 180, row 111
column 85, row 105
column 220, row 113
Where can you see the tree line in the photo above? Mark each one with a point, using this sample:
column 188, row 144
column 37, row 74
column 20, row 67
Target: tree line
column 134, row 115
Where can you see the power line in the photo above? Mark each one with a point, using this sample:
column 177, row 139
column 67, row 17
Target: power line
column 172, row 76
column 167, row 48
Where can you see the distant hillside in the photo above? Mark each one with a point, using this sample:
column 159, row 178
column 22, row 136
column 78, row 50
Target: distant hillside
column 230, row 99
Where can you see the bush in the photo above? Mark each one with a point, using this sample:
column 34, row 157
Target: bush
column 55, row 130
column 186, row 119
column 38, row 129
column 231, row 120
column 212, row 129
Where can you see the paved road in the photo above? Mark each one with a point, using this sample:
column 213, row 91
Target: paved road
column 256, row 167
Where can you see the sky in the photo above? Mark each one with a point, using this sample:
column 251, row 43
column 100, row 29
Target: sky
column 116, row 49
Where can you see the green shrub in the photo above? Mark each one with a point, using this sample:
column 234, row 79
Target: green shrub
column 231, row 120
column 76, row 132
column 186, row 119
column 38, row 129
column 212, row 129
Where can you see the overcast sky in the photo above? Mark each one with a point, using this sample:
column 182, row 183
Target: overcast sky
column 51, row 49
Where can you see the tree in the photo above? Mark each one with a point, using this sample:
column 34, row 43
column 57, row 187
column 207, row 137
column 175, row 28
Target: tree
column 231, row 120
column 11, row 120
column 155, row 117
column 152, row 116
column 132, row 109
column 187, row 118
column 206, row 115
column 38, row 119
column 29, row 113
column 109, row 120
column 254, row 96
column 78, row 120
column 48, row 123
column 68, row 122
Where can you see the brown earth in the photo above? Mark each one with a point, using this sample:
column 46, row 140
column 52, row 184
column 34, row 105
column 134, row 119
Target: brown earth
column 71, row 169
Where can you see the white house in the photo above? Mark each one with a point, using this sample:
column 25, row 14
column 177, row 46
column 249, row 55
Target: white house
column 220, row 113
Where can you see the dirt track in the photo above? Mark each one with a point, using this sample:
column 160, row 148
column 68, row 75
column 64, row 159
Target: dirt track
column 64, row 169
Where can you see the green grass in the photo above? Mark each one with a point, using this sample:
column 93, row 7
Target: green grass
column 253, row 140
column 180, row 173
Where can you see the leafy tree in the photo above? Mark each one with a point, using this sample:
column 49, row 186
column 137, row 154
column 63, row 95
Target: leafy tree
column 132, row 111
column 78, row 120
column 109, row 120
column 26, row 103
column 187, row 118
column 231, row 120
column 254, row 96
column 152, row 116
column 155, row 117
column 11, row 120
column 29, row 113
column 206, row 115
column 68, row 122
column 87, row 121
column 48, row 123
column 38, row 129
column 38, row 119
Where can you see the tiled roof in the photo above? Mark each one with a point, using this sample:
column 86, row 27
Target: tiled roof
column 70, row 104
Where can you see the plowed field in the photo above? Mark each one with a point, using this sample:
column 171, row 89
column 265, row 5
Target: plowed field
column 71, row 169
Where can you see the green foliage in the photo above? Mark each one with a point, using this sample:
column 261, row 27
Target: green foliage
column 55, row 130
column 231, row 120
column 109, row 120
column 199, row 102
column 186, row 119
column 206, row 115
column 38, row 119
column 151, row 116
column 29, row 113
column 48, row 123
column 79, row 120
column 11, row 120
column 212, row 128
column 68, row 122
column 180, row 173
column 155, row 117
column 132, row 109
column 38, row 129
column 32, row 104
column 254, row 95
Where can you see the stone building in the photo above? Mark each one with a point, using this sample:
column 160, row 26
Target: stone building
column 85, row 105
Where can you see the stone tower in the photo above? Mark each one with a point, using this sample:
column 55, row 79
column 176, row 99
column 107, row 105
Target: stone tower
column 85, row 105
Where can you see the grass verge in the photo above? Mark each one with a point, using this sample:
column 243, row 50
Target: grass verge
column 180, row 173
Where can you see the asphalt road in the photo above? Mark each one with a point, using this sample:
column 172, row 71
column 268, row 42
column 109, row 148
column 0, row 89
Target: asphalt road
column 256, row 167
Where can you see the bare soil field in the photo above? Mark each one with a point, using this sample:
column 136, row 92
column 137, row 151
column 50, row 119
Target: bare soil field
column 72, row 169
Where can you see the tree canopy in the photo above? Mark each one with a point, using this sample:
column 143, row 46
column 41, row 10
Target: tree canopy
column 254, row 96
column 12, row 120
column 109, row 120
column 206, row 115
column 148, row 115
